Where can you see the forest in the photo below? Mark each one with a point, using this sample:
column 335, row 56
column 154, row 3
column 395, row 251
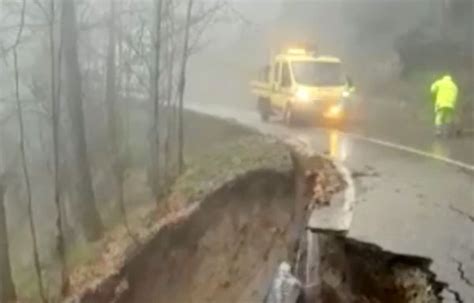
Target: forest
column 91, row 107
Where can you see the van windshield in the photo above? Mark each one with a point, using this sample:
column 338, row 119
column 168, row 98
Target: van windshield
column 318, row 73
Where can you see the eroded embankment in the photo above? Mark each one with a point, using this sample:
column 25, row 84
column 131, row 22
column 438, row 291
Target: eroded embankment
column 337, row 269
column 226, row 251
column 345, row 270
column 246, row 217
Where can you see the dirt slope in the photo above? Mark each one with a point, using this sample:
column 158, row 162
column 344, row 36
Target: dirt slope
column 237, row 223
column 224, row 252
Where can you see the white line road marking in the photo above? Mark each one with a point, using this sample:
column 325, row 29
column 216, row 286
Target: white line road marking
column 413, row 151
column 224, row 113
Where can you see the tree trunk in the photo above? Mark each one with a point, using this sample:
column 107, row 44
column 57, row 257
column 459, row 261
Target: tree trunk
column 60, row 238
column 31, row 219
column 155, row 131
column 7, row 288
column 110, row 92
column 170, row 121
column 182, row 87
column 85, row 208
column 113, row 118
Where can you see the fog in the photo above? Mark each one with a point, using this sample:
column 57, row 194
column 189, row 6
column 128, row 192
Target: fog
column 369, row 36
column 93, row 105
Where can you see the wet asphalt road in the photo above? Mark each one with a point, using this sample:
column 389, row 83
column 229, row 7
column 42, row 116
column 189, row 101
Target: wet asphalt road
column 414, row 193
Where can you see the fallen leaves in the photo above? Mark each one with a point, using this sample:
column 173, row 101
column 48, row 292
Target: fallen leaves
column 116, row 247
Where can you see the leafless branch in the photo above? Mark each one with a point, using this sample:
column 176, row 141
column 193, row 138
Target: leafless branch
column 27, row 25
column 20, row 30
column 42, row 8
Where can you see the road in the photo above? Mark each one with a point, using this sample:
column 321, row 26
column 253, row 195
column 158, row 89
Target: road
column 412, row 196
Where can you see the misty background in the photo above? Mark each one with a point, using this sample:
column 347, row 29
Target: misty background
column 392, row 49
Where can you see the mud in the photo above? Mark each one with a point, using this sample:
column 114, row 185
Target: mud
column 228, row 248
column 346, row 270
column 225, row 251
column 337, row 269
column 228, row 251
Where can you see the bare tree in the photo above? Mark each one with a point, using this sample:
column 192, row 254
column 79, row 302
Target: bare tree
column 110, row 91
column 85, row 207
column 115, row 135
column 24, row 164
column 7, row 287
column 155, row 86
column 36, row 258
column 55, row 118
column 170, row 105
column 182, row 86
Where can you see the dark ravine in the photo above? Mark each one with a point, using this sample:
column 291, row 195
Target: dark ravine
column 352, row 271
column 336, row 269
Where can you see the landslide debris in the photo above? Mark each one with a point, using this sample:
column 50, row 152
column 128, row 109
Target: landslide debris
column 231, row 216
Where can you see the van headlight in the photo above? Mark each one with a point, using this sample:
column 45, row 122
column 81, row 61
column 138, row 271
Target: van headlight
column 334, row 112
column 346, row 94
column 302, row 95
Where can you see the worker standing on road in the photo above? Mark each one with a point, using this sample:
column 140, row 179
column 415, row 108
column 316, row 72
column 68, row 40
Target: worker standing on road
column 445, row 93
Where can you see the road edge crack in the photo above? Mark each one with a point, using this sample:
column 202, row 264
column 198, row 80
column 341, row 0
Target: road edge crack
column 460, row 212
column 462, row 273
column 456, row 294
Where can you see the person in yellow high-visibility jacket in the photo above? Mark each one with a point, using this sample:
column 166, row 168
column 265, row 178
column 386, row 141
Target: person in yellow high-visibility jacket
column 445, row 92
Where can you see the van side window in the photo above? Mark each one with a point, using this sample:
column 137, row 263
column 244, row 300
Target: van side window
column 265, row 76
column 285, row 76
column 264, row 73
column 277, row 72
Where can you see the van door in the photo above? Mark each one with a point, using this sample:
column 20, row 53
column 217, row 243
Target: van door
column 275, row 84
column 286, row 85
column 283, row 87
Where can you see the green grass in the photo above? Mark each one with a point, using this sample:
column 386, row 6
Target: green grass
column 229, row 160
column 220, row 155
column 26, row 281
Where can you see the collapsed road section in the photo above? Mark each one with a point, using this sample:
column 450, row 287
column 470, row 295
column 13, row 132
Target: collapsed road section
column 226, row 251
column 343, row 270
column 337, row 269
column 252, row 217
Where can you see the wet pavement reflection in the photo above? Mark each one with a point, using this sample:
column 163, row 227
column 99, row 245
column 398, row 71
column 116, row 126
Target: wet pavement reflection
column 338, row 147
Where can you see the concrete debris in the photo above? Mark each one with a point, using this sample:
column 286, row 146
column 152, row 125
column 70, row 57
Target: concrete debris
column 318, row 187
column 285, row 287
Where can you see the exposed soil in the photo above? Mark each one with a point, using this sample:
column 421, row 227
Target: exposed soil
column 247, row 213
column 228, row 248
column 228, row 224
column 224, row 252
column 337, row 269
column 202, row 135
column 356, row 272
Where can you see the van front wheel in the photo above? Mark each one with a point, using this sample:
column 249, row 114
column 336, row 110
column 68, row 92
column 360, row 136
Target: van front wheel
column 264, row 109
column 289, row 116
